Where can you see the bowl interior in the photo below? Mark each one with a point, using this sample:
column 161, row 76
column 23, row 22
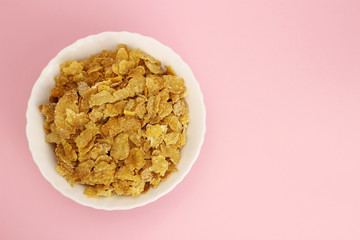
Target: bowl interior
column 43, row 153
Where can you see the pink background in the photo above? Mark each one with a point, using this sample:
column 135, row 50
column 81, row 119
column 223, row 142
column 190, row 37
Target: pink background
column 281, row 82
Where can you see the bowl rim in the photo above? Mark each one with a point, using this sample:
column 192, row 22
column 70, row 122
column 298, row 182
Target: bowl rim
column 59, row 55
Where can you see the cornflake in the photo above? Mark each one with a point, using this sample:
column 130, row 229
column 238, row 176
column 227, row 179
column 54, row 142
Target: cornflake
column 118, row 121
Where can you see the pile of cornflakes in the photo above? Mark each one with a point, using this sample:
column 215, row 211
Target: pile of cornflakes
column 118, row 122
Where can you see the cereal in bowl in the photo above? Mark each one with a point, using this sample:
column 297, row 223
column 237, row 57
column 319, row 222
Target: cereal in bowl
column 118, row 122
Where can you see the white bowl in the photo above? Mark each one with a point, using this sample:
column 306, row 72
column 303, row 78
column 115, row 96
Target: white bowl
column 43, row 153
